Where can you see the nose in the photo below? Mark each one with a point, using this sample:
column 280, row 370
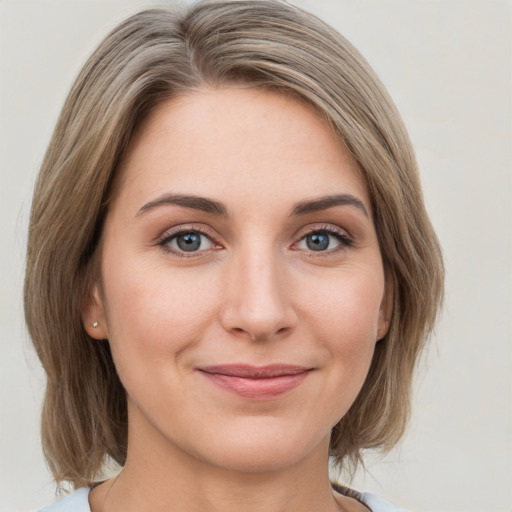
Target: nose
column 258, row 302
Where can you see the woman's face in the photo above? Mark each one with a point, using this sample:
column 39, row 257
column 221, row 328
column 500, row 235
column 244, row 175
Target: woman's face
column 242, row 287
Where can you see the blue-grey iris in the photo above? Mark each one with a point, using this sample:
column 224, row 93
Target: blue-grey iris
column 189, row 242
column 317, row 241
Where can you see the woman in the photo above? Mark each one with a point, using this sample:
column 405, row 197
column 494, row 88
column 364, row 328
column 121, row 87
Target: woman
column 230, row 270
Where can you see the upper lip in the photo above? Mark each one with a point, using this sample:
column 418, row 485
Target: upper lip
column 254, row 372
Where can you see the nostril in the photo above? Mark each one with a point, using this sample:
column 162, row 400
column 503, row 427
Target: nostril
column 261, row 336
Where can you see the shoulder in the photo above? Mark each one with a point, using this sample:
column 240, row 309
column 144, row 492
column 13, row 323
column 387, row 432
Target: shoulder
column 376, row 504
column 78, row 501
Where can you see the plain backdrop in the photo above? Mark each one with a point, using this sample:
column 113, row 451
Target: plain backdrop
column 447, row 64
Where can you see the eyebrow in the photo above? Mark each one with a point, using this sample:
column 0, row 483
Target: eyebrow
column 325, row 202
column 214, row 207
column 193, row 202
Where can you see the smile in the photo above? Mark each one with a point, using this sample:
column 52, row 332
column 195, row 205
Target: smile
column 256, row 383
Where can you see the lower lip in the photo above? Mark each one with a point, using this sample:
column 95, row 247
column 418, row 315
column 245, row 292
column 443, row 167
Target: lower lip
column 257, row 389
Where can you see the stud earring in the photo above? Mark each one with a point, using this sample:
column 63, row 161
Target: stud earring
column 95, row 324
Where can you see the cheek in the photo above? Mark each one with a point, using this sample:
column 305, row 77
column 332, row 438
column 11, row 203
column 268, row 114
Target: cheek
column 347, row 305
column 343, row 316
column 153, row 313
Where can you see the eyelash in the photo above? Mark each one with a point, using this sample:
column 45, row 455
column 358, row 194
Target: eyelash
column 345, row 241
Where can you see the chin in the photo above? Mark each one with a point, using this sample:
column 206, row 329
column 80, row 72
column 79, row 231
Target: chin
column 255, row 458
column 264, row 448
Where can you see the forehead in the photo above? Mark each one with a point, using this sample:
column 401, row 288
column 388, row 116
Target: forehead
column 237, row 141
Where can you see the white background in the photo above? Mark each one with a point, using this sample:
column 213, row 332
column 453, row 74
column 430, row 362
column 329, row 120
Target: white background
column 447, row 63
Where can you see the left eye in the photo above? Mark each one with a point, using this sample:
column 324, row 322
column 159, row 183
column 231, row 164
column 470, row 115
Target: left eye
column 322, row 241
column 188, row 241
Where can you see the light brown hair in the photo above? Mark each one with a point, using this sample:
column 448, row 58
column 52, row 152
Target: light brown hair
column 160, row 53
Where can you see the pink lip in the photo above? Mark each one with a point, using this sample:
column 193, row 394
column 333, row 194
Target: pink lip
column 256, row 382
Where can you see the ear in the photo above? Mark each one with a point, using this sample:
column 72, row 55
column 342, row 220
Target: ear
column 93, row 316
column 386, row 309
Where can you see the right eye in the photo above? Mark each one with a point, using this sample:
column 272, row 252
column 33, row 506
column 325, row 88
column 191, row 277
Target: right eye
column 187, row 241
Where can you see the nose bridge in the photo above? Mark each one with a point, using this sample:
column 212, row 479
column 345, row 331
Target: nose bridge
column 257, row 301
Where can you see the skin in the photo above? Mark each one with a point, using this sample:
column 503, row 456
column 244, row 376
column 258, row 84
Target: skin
column 254, row 292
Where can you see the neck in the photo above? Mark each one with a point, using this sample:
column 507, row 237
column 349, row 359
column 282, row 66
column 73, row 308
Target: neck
column 179, row 482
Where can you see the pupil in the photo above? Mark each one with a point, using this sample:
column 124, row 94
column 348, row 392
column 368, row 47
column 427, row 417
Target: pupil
column 317, row 242
column 189, row 242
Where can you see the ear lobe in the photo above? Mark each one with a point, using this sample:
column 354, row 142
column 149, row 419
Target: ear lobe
column 93, row 316
column 386, row 309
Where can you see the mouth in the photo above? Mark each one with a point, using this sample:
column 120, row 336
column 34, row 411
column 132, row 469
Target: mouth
column 256, row 382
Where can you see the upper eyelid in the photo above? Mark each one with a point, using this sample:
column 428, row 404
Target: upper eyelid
column 174, row 231
column 331, row 228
